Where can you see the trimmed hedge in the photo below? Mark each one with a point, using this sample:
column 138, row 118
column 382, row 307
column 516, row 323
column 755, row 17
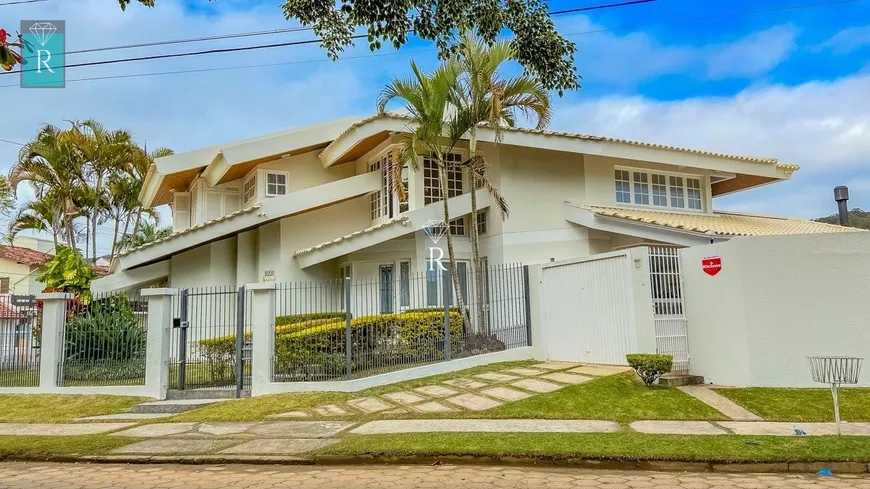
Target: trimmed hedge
column 381, row 340
column 298, row 318
column 650, row 366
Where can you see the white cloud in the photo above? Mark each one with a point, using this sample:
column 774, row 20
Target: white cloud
column 605, row 57
column 823, row 126
column 846, row 41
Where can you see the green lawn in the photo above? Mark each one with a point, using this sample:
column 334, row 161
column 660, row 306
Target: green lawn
column 620, row 398
column 60, row 408
column 623, row 445
column 46, row 446
column 257, row 408
column 808, row 405
column 19, row 378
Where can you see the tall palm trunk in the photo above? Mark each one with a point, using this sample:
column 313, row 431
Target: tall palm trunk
column 138, row 219
column 124, row 233
column 114, row 237
column 475, row 238
column 460, row 300
column 97, row 198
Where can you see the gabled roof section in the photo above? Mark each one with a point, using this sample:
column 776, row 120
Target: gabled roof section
column 750, row 171
column 27, row 256
column 228, row 161
column 721, row 223
column 401, row 220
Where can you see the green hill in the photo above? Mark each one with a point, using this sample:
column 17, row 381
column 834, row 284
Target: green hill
column 857, row 219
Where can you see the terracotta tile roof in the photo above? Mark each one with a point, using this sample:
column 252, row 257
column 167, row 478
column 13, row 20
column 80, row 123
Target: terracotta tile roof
column 402, row 220
column 8, row 311
column 721, row 223
column 588, row 137
column 27, row 256
column 191, row 229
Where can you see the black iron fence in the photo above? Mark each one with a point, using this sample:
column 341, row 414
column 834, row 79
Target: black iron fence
column 353, row 328
column 210, row 344
column 19, row 341
column 104, row 341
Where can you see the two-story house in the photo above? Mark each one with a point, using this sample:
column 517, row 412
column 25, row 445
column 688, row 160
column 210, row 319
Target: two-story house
column 317, row 203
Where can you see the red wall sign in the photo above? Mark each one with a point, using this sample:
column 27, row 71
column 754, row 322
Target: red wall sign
column 711, row 264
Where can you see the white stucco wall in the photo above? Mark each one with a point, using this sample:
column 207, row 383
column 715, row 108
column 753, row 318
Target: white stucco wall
column 777, row 300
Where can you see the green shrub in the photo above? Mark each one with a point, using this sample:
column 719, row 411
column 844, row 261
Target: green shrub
column 298, row 318
column 650, row 366
column 376, row 341
column 105, row 341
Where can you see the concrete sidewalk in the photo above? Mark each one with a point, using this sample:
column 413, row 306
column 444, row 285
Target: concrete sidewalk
column 299, row 437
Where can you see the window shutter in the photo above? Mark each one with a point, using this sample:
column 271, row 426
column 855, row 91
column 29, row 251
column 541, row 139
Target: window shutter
column 214, row 202
column 181, row 211
column 231, row 203
column 4, row 285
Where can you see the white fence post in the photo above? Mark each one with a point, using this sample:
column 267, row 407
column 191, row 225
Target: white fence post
column 157, row 349
column 263, row 341
column 537, row 326
column 51, row 345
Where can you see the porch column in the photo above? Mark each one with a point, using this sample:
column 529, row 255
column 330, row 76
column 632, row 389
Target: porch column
column 263, row 340
column 159, row 328
column 51, row 344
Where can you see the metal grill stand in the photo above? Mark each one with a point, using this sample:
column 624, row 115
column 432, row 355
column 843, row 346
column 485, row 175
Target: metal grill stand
column 835, row 371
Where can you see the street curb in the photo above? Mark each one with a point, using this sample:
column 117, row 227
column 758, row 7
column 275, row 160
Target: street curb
column 517, row 461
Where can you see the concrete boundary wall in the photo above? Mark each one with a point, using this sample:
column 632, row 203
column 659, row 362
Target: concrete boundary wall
column 775, row 301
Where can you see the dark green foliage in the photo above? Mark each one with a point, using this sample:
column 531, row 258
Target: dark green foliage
column 858, row 218
column 296, row 318
column 650, row 366
column 104, row 341
column 538, row 46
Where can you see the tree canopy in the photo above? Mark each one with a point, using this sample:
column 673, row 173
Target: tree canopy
column 858, row 218
column 537, row 46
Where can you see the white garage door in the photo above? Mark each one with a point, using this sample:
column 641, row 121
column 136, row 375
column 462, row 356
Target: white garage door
column 587, row 308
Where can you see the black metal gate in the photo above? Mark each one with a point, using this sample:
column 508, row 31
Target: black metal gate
column 211, row 340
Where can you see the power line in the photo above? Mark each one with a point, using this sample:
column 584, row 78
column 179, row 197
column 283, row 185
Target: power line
column 10, row 142
column 20, row 2
column 375, row 55
column 281, row 44
column 297, row 29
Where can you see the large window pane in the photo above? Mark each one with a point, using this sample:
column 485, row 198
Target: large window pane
column 678, row 198
column 693, row 193
column 659, row 190
column 641, row 188
column 623, row 187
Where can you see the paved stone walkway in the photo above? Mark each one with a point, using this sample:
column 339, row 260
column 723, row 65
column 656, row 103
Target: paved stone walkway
column 475, row 393
column 720, row 403
column 83, row 476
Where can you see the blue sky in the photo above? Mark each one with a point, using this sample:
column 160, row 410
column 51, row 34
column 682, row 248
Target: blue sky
column 789, row 83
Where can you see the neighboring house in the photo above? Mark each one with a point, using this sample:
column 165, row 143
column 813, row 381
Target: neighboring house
column 19, row 268
column 16, row 338
column 316, row 203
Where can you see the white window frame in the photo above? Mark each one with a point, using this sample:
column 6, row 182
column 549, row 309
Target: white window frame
column 646, row 191
column 433, row 193
column 252, row 179
column 267, row 174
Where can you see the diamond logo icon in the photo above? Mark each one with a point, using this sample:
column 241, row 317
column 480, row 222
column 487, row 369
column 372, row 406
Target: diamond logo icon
column 42, row 31
column 435, row 230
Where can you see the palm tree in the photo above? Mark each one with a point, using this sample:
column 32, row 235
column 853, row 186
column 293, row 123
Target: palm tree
column 39, row 215
column 146, row 233
column 52, row 167
column 483, row 97
column 427, row 99
column 104, row 153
